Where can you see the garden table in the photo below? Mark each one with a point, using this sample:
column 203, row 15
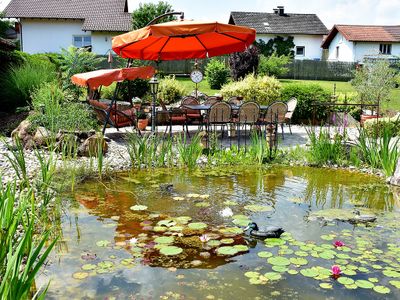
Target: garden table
column 208, row 106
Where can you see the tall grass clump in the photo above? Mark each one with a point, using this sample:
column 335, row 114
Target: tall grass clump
column 189, row 153
column 22, row 254
column 380, row 153
column 324, row 149
column 260, row 150
column 16, row 157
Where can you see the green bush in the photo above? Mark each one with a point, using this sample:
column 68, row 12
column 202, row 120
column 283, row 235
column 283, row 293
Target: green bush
column 11, row 58
column 374, row 128
column 170, row 90
column 263, row 90
column 306, row 94
column 55, row 110
column 216, row 74
column 138, row 88
column 17, row 84
column 273, row 65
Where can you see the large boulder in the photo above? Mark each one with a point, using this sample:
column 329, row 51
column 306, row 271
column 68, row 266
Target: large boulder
column 22, row 131
column 90, row 146
column 395, row 180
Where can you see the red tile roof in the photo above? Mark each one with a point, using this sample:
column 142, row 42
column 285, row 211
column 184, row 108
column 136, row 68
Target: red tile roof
column 364, row 33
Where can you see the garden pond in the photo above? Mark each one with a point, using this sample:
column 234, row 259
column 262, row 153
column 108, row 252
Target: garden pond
column 171, row 234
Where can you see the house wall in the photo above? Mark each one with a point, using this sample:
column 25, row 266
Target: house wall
column 312, row 44
column 355, row 51
column 346, row 51
column 40, row 36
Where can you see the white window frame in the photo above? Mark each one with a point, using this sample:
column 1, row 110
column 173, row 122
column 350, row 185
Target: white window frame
column 304, row 50
column 82, row 37
column 385, row 49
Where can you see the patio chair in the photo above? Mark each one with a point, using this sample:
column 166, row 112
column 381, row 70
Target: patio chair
column 192, row 115
column 212, row 100
column 169, row 118
column 248, row 114
column 275, row 115
column 235, row 100
column 291, row 105
column 218, row 114
column 118, row 119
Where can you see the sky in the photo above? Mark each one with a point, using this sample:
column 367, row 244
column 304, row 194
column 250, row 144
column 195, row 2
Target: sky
column 372, row 12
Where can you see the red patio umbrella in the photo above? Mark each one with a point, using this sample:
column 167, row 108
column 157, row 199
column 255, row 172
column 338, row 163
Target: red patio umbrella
column 183, row 40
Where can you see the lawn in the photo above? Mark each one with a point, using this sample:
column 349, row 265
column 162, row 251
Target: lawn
column 341, row 87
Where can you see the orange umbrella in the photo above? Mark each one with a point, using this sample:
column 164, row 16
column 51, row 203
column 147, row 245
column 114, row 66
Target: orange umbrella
column 106, row 77
column 183, row 40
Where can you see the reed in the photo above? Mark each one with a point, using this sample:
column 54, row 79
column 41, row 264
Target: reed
column 18, row 162
column 189, row 153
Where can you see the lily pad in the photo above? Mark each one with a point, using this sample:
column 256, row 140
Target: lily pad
column 80, row 275
column 138, row 207
column 351, row 286
column 280, row 269
column 293, row 272
column 381, row 289
column 325, row 285
column 272, row 276
column 197, row 226
column 103, row 243
column 258, row 208
column 299, row 261
column 395, row 283
column 241, row 248
column 203, row 204
column 227, row 250
column 178, row 198
column 227, row 241
column 213, row 243
column 364, row 284
column 345, row 280
column 278, row 261
column 301, row 253
column 274, row 242
column 309, row 272
column 264, row 254
column 88, row 267
column 171, row 250
column 390, row 273
column 251, row 274
column 164, row 240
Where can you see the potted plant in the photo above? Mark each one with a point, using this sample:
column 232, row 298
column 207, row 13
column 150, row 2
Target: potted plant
column 142, row 120
column 137, row 103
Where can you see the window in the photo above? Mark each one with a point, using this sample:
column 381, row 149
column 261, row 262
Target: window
column 300, row 50
column 385, row 49
column 81, row 41
column 337, row 52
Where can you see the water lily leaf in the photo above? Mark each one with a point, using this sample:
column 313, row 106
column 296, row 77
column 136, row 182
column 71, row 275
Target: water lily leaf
column 293, row 272
column 171, row 250
column 197, row 226
column 258, row 208
column 328, row 237
column 176, row 228
column 227, row 250
column 203, row 204
column 349, row 272
column 168, row 223
column 205, row 196
column 230, row 203
column 373, row 279
column 241, row 248
column 138, row 207
column 105, row 264
column 272, row 276
column 351, row 286
column 280, row 269
column 395, row 283
column 127, row 261
column 88, row 267
column 255, row 280
column 164, row 240
column 178, row 198
column 231, row 230
column 325, row 285
column 193, row 195
column 103, row 243
column 299, row 261
column 278, row 261
column 80, row 275
column 326, row 255
column 285, row 251
column 264, row 254
column 364, row 284
column 377, row 267
column 227, row 241
column 309, row 272
column 301, row 253
column 183, row 220
column 241, row 222
column 381, row 289
column 274, row 242
column 345, row 280
column 390, row 273
column 213, row 243
column 251, row 274
column 363, row 269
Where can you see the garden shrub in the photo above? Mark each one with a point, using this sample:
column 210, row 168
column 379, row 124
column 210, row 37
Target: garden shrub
column 216, row 74
column 306, row 94
column 18, row 83
column 263, row 90
column 55, row 110
column 170, row 90
column 11, row 58
column 374, row 128
column 244, row 63
column 139, row 88
column 273, row 65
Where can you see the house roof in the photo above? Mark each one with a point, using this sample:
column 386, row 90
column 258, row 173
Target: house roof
column 97, row 15
column 364, row 33
column 275, row 23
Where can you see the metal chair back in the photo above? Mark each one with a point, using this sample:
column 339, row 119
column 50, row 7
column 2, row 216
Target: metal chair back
column 235, row 100
column 212, row 100
column 219, row 113
column 276, row 113
column 248, row 113
column 189, row 100
column 291, row 105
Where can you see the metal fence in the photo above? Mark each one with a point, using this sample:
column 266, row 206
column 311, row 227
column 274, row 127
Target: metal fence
column 320, row 70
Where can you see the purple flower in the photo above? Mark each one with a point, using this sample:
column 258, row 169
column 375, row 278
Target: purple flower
column 336, row 271
column 338, row 244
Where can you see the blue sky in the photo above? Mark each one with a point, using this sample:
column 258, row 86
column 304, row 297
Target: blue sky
column 374, row 12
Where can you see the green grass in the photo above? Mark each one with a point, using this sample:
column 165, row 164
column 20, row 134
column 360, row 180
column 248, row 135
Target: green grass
column 341, row 87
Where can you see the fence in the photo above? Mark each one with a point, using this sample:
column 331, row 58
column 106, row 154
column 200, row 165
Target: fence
column 320, row 70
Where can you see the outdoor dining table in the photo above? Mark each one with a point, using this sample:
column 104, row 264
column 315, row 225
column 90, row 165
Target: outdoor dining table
column 208, row 106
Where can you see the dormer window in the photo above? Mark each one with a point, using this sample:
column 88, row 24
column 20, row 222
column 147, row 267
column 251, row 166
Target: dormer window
column 385, row 48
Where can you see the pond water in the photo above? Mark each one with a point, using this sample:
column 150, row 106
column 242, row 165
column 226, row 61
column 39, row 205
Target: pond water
column 135, row 237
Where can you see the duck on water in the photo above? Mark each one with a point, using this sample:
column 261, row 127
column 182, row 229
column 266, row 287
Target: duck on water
column 268, row 232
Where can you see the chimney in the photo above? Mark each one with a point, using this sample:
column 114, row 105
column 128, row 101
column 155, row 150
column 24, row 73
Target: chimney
column 276, row 11
column 281, row 10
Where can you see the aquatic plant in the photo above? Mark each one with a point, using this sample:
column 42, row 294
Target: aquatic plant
column 338, row 244
column 336, row 271
column 189, row 153
column 16, row 157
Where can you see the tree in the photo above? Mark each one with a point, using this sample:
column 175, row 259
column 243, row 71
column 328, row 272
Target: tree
column 278, row 45
column 374, row 81
column 273, row 65
column 148, row 11
column 243, row 63
column 4, row 25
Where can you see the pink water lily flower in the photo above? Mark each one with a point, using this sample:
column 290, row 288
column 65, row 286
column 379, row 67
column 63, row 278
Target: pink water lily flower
column 336, row 271
column 338, row 244
column 204, row 238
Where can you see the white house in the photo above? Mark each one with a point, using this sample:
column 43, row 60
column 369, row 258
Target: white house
column 49, row 25
column 307, row 30
column 355, row 43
